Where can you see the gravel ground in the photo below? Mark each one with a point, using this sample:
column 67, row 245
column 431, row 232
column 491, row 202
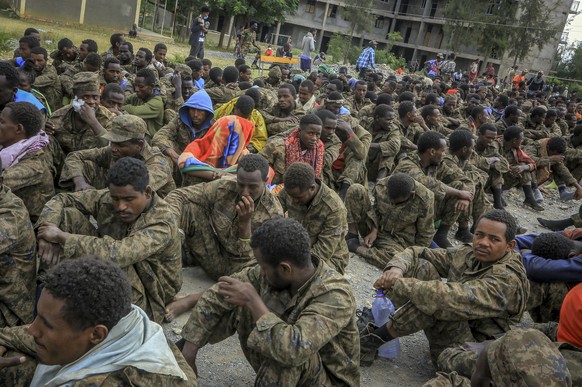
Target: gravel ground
column 224, row 364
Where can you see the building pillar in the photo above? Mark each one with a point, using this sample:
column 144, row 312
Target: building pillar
column 82, row 15
column 422, row 29
column 323, row 26
column 137, row 8
column 393, row 24
column 277, row 30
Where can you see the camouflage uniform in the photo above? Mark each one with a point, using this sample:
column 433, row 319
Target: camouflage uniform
column 441, row 128
column 399, row 226
column 350, row 167
column 384, row 157
column 20, row 343
column 325, row 219
column 70, row 137
column 306, row 339
column 209, row 220
column 94, row 164
column 275, row 153
column 522, row 357
column 475, row 304
column 332, row 150
column 355, row 106
column 366, row 115
column 558, row 170
column 31, row 179
column 18, row 257
column 545, row 300
column 278, row 127
column 435, row 178
column 496, row 170
column 148, row 250
column 524, row 178
column 248, row 36
column 48, row 83
column 534, row 132
column 408, row 136
column 573, row 161
column 61, row 62
column 224, row 93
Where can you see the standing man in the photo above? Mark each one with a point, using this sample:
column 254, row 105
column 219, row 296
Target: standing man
column 367, row 59
column 247, row 39
column 198, row 34
column 308, row 46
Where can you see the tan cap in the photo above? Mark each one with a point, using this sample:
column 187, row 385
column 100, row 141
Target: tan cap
column 126, row 127
column 86, row 81
column 184, row 71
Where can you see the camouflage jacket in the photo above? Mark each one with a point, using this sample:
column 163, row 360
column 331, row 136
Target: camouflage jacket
column 18, row 257
column 49, row 84
column 149, row 250
column 159, row 167
column 275, row 151
column 410, row 223
column 428, row 177
column 479, row 159
column 320, row 318
column 459, row 174
column 223, row 93
column 175, row 135
column 70, row 137
column 219, row 199
column 355, row 107
column 31, row 179
column 325, row 219
column 490, row 297
column 408, row 136
column 390, row 145
column 535, row 151
column 278, row 127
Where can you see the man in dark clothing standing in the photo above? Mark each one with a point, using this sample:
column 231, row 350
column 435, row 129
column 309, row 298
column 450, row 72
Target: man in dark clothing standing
column 198, row 33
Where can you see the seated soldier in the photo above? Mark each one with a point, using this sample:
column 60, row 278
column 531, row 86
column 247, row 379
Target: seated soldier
column 432, row 116
column 303, row 144
column 522, row 357
column 25, row 45
column 385, row 143
column 217, row 218
column 88, row 169
column 116, row 40
column 410, row 124
column 227, row 90
column 331, row 143
column 488, row 158
column 510, row 117
column 534, row 126
column 305, row 98
column 81, row 336
column 452, row 189
column 217, row 153
column 320, row 210
column 64, row 56
column 521, row 166
column 179, row 87
column 402, row 216
column 80, row 125
column 549, row 155
column 358, row 100
column 159, row 61
column 296, row 324
column 486, row 290
column 476, row 118
column 135, row 229
column 46, row 80
column 260, row 133
column 112, row 98
column 456, row 163
column 193, row 121
column 147, row 101
column 92, row 63
column 26, row 161
column 284, row 115
column 111, row 73
column 573, row 158
column 451, row 113
column 18, row 257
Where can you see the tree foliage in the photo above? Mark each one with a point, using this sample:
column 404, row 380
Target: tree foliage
column 571, row 64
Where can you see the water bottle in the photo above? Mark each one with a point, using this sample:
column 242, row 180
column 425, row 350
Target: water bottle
column 382, row 309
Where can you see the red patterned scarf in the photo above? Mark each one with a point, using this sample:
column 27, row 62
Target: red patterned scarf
column 293, row 153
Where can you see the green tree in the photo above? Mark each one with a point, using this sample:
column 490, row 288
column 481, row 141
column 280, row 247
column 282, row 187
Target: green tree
column 358, row 13
column 571, row 64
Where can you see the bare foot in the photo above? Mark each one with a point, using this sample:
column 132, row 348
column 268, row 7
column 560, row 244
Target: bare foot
column 179, row 306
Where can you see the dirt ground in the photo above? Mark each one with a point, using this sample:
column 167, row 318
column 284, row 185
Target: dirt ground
column 223, row 364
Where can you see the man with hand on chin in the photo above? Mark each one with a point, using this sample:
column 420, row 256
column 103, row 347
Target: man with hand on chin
column 294, row 314
column 486, row 289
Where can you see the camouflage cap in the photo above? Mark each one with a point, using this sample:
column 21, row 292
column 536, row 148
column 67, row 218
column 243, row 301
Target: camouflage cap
column 275, row 72
column 184, row 70
column 526, row 357
column 126, row 127
column 86, row 81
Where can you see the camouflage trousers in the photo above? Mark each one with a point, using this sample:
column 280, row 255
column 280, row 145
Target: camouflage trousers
column 409, row 319
column 201, row 246
column 445, row 209
column 511, row 181
column 353, row 172
column 376, row 161
column 479, row 205
column 495, row 180
column 269, row 373
column 359, row 207
column 545, row 300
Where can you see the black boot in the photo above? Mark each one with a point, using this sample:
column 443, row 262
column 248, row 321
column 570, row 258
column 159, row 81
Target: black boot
column 498, row 198
column 464, row 235
column 556, row 225
column 530, row 201
column 441, row 237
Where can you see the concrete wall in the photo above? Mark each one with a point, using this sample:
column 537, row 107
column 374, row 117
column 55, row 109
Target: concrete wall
column 118, row 14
